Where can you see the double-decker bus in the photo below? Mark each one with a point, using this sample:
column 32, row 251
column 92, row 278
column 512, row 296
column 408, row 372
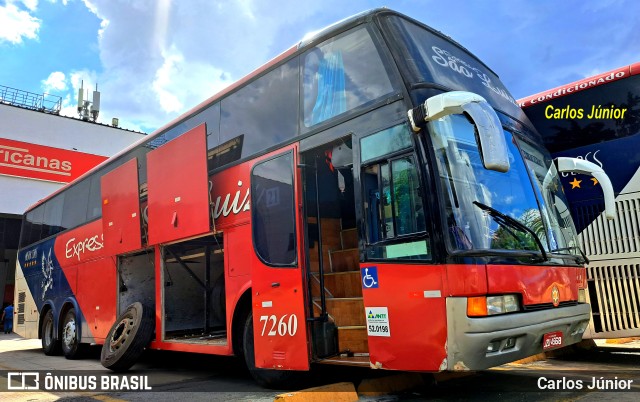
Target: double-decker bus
column 373, row 197
column 598, row 119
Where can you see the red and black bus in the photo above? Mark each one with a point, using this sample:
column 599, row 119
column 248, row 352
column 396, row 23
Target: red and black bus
column 373, row 196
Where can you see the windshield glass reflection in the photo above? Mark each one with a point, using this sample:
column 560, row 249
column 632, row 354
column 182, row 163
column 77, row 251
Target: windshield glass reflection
column 477, row 200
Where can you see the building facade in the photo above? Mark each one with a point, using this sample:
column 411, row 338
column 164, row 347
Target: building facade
column 40, row 152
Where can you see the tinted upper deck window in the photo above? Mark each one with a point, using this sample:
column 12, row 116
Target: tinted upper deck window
column 341, row 74
column 263, row 113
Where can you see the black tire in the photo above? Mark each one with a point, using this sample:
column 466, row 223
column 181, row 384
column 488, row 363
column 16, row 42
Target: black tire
column 50, row 345
column 128, row 338
column 281, row 379
column 70, row 341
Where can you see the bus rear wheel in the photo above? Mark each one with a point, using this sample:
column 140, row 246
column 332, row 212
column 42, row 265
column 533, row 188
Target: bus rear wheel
column 50, row 345
column 128, row 338
column 264, row 377
column 71, row 347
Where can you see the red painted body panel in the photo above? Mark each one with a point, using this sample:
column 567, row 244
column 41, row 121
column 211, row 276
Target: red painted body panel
column 281, row 341
column 178, row 184
column 273, row 308
column 79, row 245
column 230, row 196
column 192, row 348
column 417, row 321
column 92, row 277
column 238, row 263
column 71, row 274
column 237, row 272
column 96, row 295
column 534, row 283
column 415, row 298
column 159, row 275
column 466, row 280
column 121, row 209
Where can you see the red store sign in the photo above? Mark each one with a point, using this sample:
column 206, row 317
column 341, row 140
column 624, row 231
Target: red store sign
column 39, row 162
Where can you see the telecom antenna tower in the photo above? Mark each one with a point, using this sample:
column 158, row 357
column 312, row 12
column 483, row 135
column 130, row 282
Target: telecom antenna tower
column 88, row 110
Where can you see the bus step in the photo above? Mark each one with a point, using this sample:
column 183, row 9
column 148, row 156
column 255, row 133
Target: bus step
column 353, row 339
column 344, row 311
column 349, row 238
column 338, row 284
column 344, row 260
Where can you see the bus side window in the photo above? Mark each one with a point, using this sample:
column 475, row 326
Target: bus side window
column 394, row 207
column 74, row 212
column 341, row 74
column 32, row 227
column 394, row 199
column 53, row 215
column 261, row 114
column 273, row 211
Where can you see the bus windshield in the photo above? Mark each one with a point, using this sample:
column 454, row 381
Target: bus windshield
column 481, row 204
column 428, row 57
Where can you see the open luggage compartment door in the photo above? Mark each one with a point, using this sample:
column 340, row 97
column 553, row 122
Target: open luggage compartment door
column 179, row 188
column 121, row 209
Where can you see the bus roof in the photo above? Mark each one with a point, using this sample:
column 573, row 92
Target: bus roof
column 308, row 40
column 581, row 85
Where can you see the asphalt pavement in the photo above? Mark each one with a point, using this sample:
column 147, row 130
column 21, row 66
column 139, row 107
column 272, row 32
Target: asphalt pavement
column 607, row 373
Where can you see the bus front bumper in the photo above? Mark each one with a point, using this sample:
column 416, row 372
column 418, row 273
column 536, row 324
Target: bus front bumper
column 481, row 343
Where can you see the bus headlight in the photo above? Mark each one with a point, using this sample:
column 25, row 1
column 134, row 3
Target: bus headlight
column 492, row 305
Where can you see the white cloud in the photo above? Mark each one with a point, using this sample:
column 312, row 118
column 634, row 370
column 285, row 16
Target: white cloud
column 179, row 85
column 30, row 4
column 161, row 58
column 84, row 78
column 17, row 24
column 56, row 81
column 69, row 107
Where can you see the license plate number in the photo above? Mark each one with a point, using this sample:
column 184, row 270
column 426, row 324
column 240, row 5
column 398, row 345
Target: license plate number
column 552, row 340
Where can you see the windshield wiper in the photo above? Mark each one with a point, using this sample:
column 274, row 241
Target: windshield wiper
column 585, row 260
column 508, row 222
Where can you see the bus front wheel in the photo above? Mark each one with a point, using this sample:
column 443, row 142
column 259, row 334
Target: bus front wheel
column 50, row 345
column 265, row 377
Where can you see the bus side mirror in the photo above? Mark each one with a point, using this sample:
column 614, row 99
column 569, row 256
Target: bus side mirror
column 489, row 135
column 585, row 167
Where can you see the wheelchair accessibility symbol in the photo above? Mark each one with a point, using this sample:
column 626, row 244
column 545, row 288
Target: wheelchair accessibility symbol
column 369, row 277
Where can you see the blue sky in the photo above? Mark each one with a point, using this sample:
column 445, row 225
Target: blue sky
column 154, row 59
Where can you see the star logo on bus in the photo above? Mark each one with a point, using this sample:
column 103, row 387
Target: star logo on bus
column 595, row 181
column 555, row 296
column 575, row 183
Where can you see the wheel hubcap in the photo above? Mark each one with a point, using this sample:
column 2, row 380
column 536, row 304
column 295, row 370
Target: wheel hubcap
column 69, row 333
column 121, row 333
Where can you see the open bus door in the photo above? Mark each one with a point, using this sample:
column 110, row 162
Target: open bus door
column 279, row 324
